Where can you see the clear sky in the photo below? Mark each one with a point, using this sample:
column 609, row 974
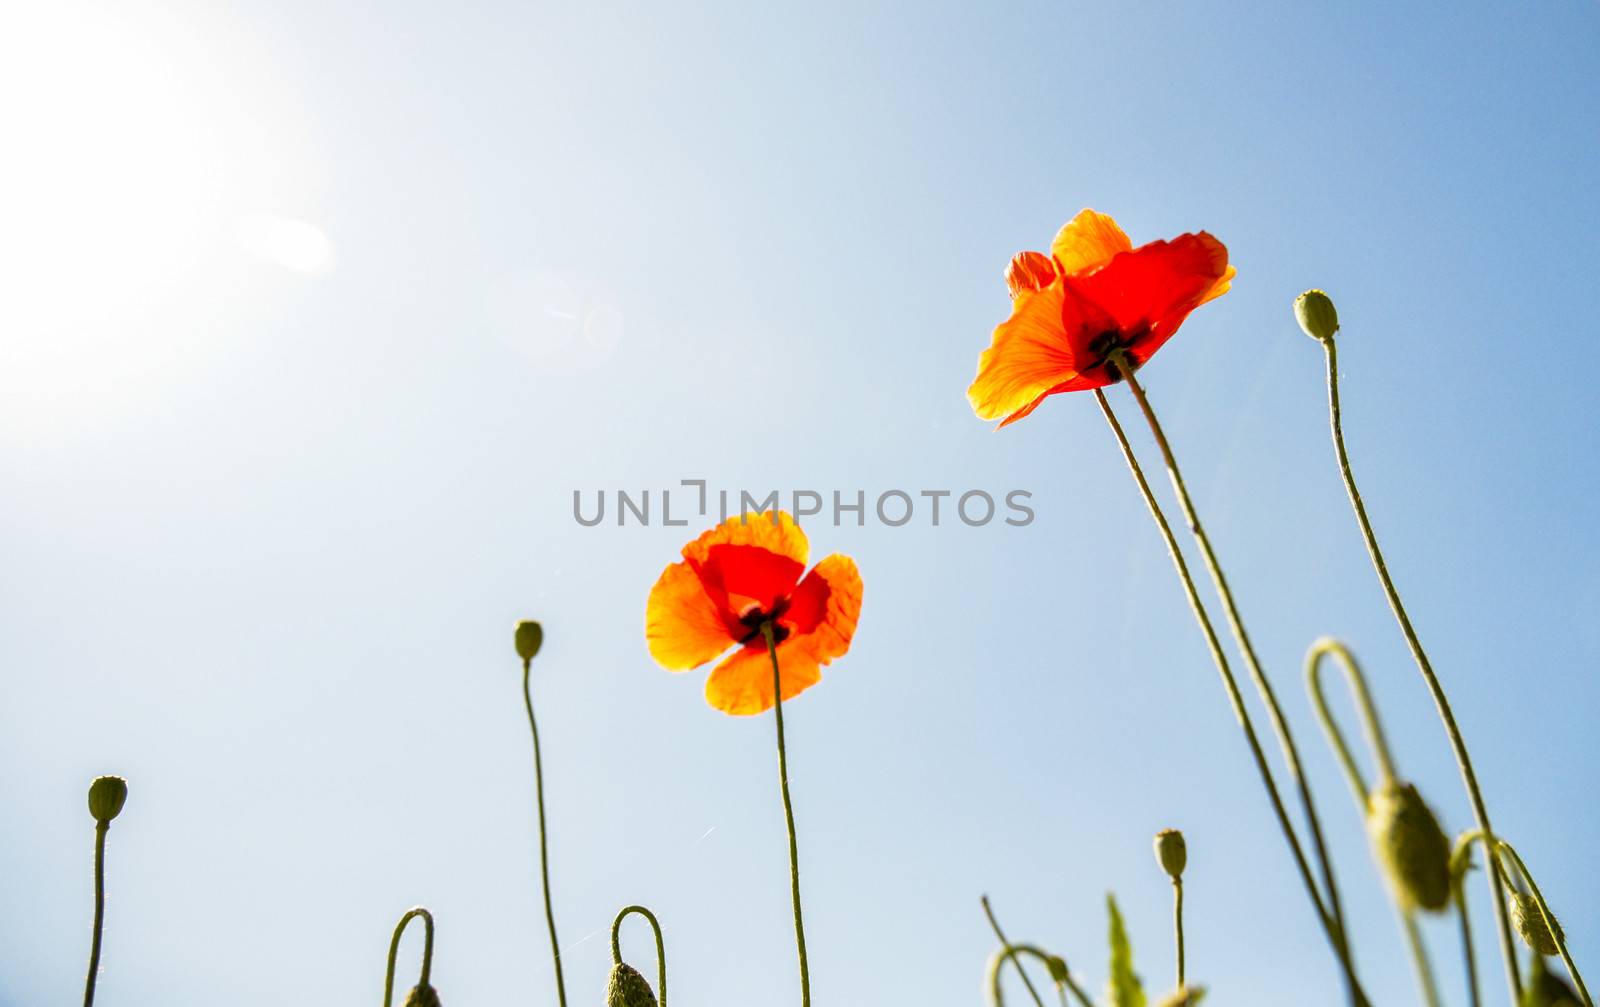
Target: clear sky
column 314, row 316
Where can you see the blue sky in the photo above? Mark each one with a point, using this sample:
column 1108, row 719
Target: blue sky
column 316, row 316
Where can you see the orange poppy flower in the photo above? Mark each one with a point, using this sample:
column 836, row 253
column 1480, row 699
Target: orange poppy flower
column 733, row 578
column 1093, row 297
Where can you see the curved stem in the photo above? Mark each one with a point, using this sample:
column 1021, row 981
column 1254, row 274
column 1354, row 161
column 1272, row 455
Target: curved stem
column 1280, row 724
column 1419, row 958
column 394, row 949
column 1008, row 950
column 1177, row 923
column 788, row 816
column 1230, row 685
column 1013, row 952
column 100, row 830
column 544, row 846
column 661, row 947
column 1457, row 745
column 1379, row 742
column 1549, row 920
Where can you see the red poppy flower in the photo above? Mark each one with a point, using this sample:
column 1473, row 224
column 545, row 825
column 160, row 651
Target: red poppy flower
column 1094, row 297
column 736, row 576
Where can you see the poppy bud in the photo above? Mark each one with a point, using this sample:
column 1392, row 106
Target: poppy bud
column 1058, row 968
column 1171, row 852
column 530, row 636
column 1315, row 312
column 106, row 797
column 1410, row 845
column 627, row 988
column 1530, row 923
column 1188, row 996
column 422, row 995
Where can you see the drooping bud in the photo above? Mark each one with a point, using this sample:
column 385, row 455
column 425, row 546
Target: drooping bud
column 530, row 637
column 627, row 988
column 1315, row 312
column 1030, row 271
column 1058, row 968
column 422, row 995
column 106, row 797
column 1530, row 923
column 1413, row 850
column 1172, row 853
column 1188, row 996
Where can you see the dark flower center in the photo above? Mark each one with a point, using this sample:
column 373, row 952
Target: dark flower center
column 757, row 615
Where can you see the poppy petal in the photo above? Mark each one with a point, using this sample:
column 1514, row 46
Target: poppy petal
column 1151, row 290
column 742, row 684
column 749, row 562
column 682, row 624
column 824, row 609
column 1088, row 241
column 1030, row 271
column 1029, row 355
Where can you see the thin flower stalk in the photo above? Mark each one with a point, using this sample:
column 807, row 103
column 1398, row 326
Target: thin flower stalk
column 1258, row 677
column 661, row 947
column 394, row 950
column 788, row 816
column 544, row 842
column 1458, row 746
column 1230, row 684
column 1008, row 950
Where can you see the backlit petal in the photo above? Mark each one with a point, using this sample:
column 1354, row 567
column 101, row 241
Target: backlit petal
column 749, row 562
column 1151, row 290
column 1029, row 271
column 1028, row 355
column 742, row 684
column 683, row 626
column 1088, row 241
column 824, row 609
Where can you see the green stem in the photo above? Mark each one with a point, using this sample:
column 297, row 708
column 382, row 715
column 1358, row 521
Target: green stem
column 1468, row 955
column 394, row 950
column 100, row 830
column 1015, row 951
column 1549, row 921
column 544, row 846
column 788, row 817
column 1457, row 745
column 1379, row 742
column 661, row 947
column 1280, row 724
column 1236, row 701
column 1009, row 950
column 1419, row 958
column 1329, row 647
column 1177, row 923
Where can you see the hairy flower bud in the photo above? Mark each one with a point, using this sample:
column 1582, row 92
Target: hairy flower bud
column 1172, row 853
column 1530, row 923
column 1413, row 850
column 106, row 797
column 1315, row 312
column 627, row 988
column 1058, row 968
column 530, row 637
column 422, row 995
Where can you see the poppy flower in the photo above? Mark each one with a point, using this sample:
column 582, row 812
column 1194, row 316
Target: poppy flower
column 1092, row 299
column 740, row 574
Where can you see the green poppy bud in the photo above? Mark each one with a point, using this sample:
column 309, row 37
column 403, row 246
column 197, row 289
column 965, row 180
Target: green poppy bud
column 627, row 988
column 106, row 797
column 1315, row 312
column 1171, row 852
column 1413, row 850
column 1188, row 996
column 1058, row 968
column 530, row 636
column 422, row 995
column 1530, row 924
